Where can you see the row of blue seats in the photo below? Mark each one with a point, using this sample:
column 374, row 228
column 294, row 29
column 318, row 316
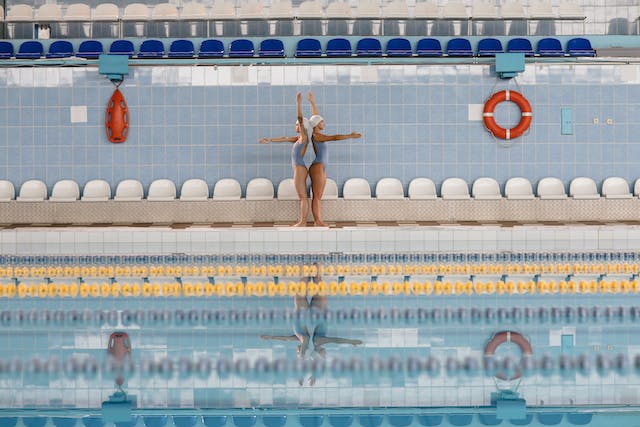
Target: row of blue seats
column 306, row 48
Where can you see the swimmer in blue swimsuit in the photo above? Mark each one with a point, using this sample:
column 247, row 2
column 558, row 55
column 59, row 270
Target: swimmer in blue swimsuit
column 310, row 328
column 317, row 170
column 298, row 149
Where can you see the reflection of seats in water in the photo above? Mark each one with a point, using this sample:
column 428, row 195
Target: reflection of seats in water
column 389, row 188
column 422, row 189
column 580, row 47
column 90, row 49
column 398, row 47
column 259, row 189
column 459, row 47
column 309, row 48
column 7, row 191
column 227, row 189
column 181, row 49
column 194, row 189
column 97, row 190
column 518, row 189
column 520, row 45
column 129, row 190
column 616, row 188
column 356, row 188
column 162, row 190
column 486, row 188
column 489, row 47
column 583, row 188
column 429, row 47
column 33, row 190
column 66, row 190
column 551, row 188
column 454, row 189
column 369, row 47
column 151, row 49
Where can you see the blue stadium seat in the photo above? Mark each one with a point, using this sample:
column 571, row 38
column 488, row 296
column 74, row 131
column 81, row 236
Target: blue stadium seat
column 151, row 49
column 60, row 49
column 272, row 48
column 429, row 47
column 580, row 47
column 181, row 49
column 121, row 47
column 399, row 47
column 90, row 49
column 520, row 45
column 6, row 50
column 368, row 47
column 550, row 47
column 309, row 48
column 211, row 49
column 241, row 48
column 459, row 47
column 489, row 47
column 31, row 49
column 339, row 47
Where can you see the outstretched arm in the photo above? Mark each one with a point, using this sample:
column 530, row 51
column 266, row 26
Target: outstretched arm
column 280, row 337
column 279, row 139
column 335, row 340
column 312, row 101
column 338, row 137
column 303, row 130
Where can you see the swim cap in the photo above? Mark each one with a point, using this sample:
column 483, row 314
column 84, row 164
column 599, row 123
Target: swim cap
column 315, row 119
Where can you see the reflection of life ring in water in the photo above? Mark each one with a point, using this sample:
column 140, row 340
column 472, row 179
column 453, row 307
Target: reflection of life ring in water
column 520, row 101
column 119, row 347
column 508, row 337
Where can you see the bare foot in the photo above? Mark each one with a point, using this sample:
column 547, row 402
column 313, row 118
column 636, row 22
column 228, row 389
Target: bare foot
column 300, row 224
column 320, row 224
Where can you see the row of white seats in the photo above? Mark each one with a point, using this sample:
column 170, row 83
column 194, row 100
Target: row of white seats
column 253, row 9
column 354, row 188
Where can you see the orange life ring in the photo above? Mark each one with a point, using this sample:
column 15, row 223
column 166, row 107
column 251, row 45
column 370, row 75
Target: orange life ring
column 117, row 118
column 508, row 336
column 520, row 101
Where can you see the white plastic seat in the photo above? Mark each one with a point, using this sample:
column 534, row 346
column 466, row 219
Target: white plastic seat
column 484, row 10
column 106, row 12
column 367, row 9
column 338, row 9
column 194, row 189
column 616, row 188
column 389, row 188
column 541, row 10
column 426, row 10
column 281, row 9
column 259, row 189
column 395, row 9
column 422, row 189
column 454, row 10
column 33, row 190
column 77, row 12
column 7, row 191
column 20, row 13
column 512, row 9
column 518, row 189
column 227, row 189
column 570, row 10
column 164, row 12
column 287, row 190
column 223, row 10
column 551, row 188
column 96, row 190
column 193, row 12
column 161, row 190
column 486, row 188
column 66, row 190
column 251, row 9
column 310, row 9
column 583, row 188
column 49, row 13
column 356, row 188
column 129, row 190
column 330, row 190
column 636, row 188
column 135, row 12
column 454, row 189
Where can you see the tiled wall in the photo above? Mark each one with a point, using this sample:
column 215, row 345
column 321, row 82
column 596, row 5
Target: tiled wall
column 416, row 120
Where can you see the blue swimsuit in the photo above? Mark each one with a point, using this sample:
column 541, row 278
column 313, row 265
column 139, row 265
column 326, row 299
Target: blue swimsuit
column 322, row 152
column 297, row 154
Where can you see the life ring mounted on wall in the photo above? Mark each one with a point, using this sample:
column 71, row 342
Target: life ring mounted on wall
column 508, row 337
column 520, row 101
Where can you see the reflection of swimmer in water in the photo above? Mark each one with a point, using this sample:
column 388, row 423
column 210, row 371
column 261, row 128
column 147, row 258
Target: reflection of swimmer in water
column 310, row 327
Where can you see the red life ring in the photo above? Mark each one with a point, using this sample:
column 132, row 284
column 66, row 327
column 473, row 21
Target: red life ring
column 520, row 101
column 508, row 336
